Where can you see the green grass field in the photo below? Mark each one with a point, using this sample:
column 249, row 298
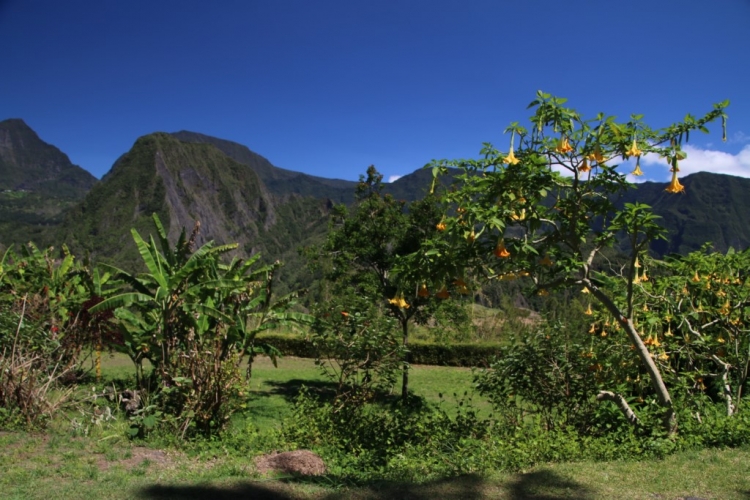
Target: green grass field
column 79, row 459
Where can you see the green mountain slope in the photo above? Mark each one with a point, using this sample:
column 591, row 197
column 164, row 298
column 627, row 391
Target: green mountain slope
column 183, row 183
column 37, row 183
column 279, row 181
column 714, row 208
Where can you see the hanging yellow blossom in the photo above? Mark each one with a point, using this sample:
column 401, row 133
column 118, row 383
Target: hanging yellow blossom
column 423, row 291
column 399, row 302
column 585, row 290
column 592, row 330
column 563, row 146
column 725, row 309
column 511, row 158
column 675, row 186
column 645, row 307
column 470, row 237
column 696, row 278
column 636, row 264
column 520, row 216
column 637, row 171
column 633, row 150
column 596, row 155
column 584, row 167
column 663, row 356
column 546, row 262
column 588, row 311
column 443, row 293
column 500, row 250
column 440, row 226
column 644, row 277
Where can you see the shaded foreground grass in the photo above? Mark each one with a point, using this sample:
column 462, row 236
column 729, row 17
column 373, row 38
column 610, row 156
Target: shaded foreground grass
column 57, row 466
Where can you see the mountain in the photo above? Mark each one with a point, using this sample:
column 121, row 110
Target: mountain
column 277, row 180
column 37, row 183
column 714, row 208
column 239, row 196
column 184, row 182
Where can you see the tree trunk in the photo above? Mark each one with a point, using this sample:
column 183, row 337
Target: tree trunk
column 405, row 378
column 657, row 382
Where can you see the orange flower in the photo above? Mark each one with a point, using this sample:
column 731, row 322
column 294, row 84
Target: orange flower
column 584, row 166
column 345, row 314
column 440, row 226
column 443, row 293
column 563, row 146
column 501, row 251
column 423, row 291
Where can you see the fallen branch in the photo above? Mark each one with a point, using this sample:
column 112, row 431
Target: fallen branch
column 621, row 403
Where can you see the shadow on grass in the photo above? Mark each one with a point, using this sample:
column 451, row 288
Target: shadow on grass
column 290, row 389
column 458, row 488
column 325, row 391
column 540, row 485
column 546, row 485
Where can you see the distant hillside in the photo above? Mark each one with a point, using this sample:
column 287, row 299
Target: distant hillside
column 183, row 183
column 277, row 180
column 37, row 183
column 714, row 207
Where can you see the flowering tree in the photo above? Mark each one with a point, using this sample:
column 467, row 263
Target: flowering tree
column 363, row 247
column 547, row 208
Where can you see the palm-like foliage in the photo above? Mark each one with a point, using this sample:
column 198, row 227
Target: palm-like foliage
column 195, row 318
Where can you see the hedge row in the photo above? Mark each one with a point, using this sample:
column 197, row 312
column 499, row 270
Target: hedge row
column 420, row 353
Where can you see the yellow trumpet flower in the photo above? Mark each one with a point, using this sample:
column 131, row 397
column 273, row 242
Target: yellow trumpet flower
column 399, row 302
column 675, row 186
column 584, row 166
column 511, row 158
column 633, row 150
column 563, row 146
column 423, row 291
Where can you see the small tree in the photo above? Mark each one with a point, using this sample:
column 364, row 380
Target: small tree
column 364, row 245
column 547, row 208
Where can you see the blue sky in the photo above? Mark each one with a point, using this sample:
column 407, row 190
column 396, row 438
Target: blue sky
column 329, row 87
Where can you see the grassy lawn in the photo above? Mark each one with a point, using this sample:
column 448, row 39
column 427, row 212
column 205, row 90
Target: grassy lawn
column 59, row 466
column 101, row 463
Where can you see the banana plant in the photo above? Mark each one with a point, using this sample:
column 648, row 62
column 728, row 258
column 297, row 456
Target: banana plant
column 188, row 295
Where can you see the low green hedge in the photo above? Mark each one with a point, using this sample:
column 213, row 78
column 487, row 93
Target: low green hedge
column 420, row 353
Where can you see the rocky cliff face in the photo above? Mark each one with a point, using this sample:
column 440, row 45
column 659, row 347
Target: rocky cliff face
column 184, row 183
column 37, row 184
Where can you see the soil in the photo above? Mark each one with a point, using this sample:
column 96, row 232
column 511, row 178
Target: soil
column 298, row 462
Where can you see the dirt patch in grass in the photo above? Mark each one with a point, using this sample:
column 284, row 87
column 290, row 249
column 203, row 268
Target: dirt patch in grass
column 136, row 456
column 298, row 462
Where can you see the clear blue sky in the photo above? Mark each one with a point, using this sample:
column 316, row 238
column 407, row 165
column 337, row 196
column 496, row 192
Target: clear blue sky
column 329, row 87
